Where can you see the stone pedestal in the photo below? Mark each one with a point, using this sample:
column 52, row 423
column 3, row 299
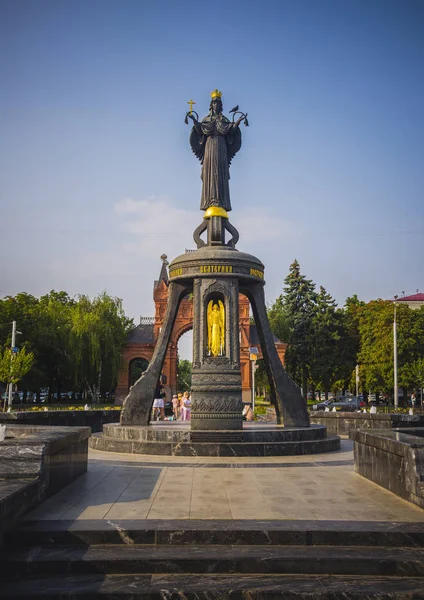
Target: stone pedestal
column 163, row 438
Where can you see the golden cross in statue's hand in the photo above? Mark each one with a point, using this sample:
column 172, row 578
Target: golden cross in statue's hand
column 191, row 102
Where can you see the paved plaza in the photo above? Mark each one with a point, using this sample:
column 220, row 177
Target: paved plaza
column 129, row 486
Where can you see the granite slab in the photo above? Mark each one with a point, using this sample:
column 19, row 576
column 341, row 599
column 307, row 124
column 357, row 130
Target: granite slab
column 215, row 587
column 94, row 419
column 164, row 431
column 175, row 440
column 342, row 423
column 393, row 459
column 139, row 559
column 211, row 532
column 42, row 460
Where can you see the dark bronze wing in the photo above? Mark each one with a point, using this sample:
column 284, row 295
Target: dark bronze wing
column 233, row 143
column 197, row 143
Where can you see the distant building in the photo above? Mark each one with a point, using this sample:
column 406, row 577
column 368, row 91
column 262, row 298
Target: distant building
column 415, row 301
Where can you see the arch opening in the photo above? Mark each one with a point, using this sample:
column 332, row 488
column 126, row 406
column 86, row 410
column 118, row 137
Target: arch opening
column 184, row 359
column 137, row 367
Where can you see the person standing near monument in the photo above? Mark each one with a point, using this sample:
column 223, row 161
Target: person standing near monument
column 248, row 413
column 159, row 402
column 175, row 406
column 186, row 407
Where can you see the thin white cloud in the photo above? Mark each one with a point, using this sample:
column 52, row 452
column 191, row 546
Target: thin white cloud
column 157, row 225
column 161, row 220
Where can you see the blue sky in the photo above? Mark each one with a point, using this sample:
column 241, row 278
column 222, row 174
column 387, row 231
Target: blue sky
column 97, row 178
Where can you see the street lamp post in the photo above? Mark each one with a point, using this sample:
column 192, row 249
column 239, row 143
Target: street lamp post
column 14, row 350
column 9, row 401
column 357, row 381
column 395, row 373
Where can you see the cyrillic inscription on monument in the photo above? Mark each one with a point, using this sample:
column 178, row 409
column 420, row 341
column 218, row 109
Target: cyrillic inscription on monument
column 216, row 268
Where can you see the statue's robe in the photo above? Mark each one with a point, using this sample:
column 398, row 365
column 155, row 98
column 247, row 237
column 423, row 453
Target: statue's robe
column 215, row 141
column 215, row 334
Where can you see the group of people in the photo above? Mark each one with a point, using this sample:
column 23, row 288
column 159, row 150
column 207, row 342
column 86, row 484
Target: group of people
column 181, row 406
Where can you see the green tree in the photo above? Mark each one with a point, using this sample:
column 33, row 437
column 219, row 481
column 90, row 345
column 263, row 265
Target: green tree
column 417, row 370
column 376, row 350
column 325, row 341
column 99, row 329
column 52, row 346
column 299, row 301
column 350, row 345
column 43, row 330
column 279, row 319
column 13, row 366
column 76, row 344
column 184, row 367
column 261, row 378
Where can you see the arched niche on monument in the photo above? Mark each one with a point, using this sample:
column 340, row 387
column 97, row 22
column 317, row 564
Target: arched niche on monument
column 215, row 310
column 137, row 367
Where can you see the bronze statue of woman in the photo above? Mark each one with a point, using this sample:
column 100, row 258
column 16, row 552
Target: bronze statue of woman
column 215, row 141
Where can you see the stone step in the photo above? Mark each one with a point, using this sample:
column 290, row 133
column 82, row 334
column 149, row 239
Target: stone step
column 175, row 448
column 137, row 559
column 215, row 587
column 211, row 532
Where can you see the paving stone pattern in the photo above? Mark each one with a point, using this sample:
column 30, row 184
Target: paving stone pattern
column 323, row 487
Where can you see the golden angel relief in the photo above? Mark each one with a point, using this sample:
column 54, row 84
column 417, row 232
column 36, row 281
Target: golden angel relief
column 216, row 328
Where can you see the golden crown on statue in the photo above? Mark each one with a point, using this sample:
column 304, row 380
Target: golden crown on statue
column 216, row 94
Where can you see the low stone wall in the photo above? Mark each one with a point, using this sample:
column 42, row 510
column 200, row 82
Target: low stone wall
column 393, row 459
column 342, row 423
column 63, row 418
column 36, row 462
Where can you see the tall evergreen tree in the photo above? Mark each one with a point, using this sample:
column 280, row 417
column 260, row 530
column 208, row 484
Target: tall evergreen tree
column 299, row 299
column 278, row 319
column 325, row 341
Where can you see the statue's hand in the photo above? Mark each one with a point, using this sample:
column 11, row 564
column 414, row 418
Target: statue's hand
column 193, row 118
column 237, row 123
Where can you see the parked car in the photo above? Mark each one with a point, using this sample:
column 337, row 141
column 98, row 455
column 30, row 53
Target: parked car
column 347, row 404
column 322, row 405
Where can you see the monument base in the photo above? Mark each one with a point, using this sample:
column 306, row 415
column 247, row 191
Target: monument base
column 176, row 439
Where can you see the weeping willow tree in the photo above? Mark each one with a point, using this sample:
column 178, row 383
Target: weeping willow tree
column 98, row 332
